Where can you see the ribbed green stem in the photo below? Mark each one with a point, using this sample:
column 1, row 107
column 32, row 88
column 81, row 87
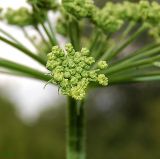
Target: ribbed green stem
column 136, row 54
column 10, row 36
column 74, row 33
column 24, row 70
column 75, row 124
column 112, row 53
column 42, row 37
column 75, row 130
column 148, row 77
column 135, row 61
column 24, row 50
column 95, row 40
column 81, row 128
column 128, row 29
column 126, row 43
column 100, row 46
column 51, row 27
column 51, row 38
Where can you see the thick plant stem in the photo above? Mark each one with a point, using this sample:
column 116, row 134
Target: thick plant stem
column 81, row 133
column 75, row 130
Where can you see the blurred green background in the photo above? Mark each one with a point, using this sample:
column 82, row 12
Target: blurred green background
column 123, row 122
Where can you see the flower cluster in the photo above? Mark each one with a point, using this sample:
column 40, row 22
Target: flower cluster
column 113, row 15
column 20, row 17
column 107, row 19
column 79, row 8
column 72, row 70
column 23, row 17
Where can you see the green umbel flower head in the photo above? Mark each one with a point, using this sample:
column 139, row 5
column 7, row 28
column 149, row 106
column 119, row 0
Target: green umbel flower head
column 72, row 72
column 107, row 19
column 23, row 17
column 79, row 8
column 112, row 16
column 20, row 17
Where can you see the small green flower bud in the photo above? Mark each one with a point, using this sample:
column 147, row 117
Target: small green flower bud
column 77, row 93
column 67, row 75
column 76, row 60
column 79, row 69
column 69, row 49
column 92, row 74
column 58, row 76
column 74, row 80
column 78, row 76
column 82, row 64
column 85, row 52
column 89, row 60
column 84, row 74
column 87, row 67
column 51, row 57
column 102, row 79
column 59, row 69
column 102, row 64
column 77, row 55
column 61, row 53
column 64, row 83
column 64, row 63
column 72, row 71
column 71, row 64
column 55, row 49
